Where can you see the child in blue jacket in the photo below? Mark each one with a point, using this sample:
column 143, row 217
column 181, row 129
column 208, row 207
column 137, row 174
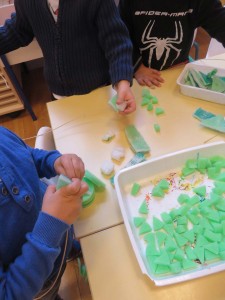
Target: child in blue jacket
column 35, row 231
column 85, row 46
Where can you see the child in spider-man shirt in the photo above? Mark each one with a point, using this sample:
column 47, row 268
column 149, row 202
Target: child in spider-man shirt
column 162, row 32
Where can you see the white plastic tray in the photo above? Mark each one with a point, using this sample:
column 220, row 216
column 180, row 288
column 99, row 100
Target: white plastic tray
column 199, row 92
column 144, row 173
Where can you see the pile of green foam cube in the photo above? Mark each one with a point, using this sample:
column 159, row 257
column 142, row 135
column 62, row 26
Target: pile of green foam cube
column 191, row 235
column 209, row 80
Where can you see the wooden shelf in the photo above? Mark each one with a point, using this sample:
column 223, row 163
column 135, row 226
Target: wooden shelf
column 9, row 99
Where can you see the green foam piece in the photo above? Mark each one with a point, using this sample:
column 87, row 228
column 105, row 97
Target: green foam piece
column 98, row 184
column 205, row 224
column 182, row 220
column 157, row 191
column 179, row 255
column 169, row 228
column 214, row 216
column 201, row 190
column 189, row 235
column 181, row 229
column 217, row 123
column 175, row 267
column 188, row 264
column 151, row 249
column 195, row 199
column 157, row 224
column 135, row 139
column 212, row 247
column 211, row 236
column 222, row 255
column 164, row 184
column 138, row 221
column 162, row 269
column 197, row 78
column 112, row 103
column 183, row 198
column 202, row 114
column 143, row 209
column 146, row 93
column 163, row 259
column 157, row 127
column 187, row 171
column 200, row 253
column 135, row 189
column 193, row 218
column 190, row 253
column 181, row 240
column 89, row 196
column 174, row 213
column 62, row 181
column 150, row 238
column 170, row 244
column 216, row 227
column 191, row 163
column 150, row 106
column 166, row 217
column 160, row 237
column 145, row 228
column 220, row 185
column 155, row 100
column 218, row 85
column 221, row 177
column 159, row 111
column 210, row 256
column 145, row 101
column 212, row 73
column 198, row 230
column 212, row 172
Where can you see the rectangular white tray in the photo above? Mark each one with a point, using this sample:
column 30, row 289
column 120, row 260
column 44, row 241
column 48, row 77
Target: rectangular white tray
column 200, row 93
column 143, row 173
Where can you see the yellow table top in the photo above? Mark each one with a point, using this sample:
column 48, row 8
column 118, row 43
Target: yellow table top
column 79, row 122
column 114, row 273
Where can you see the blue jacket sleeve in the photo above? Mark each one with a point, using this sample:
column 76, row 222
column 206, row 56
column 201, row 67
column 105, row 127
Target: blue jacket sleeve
column 24, row 278
column 44, row 161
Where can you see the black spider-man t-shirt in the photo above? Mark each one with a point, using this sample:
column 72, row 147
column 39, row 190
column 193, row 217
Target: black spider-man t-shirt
column 162, row 31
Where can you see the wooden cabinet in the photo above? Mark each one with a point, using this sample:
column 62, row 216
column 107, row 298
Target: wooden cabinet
column 9, row 98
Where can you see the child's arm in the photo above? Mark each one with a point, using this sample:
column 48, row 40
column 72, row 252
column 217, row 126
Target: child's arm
column 124, row 94
column 147, row 76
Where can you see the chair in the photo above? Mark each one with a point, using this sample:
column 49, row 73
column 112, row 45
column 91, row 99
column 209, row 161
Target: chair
column 44, row 139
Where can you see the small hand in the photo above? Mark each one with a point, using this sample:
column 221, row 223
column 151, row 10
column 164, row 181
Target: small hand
column 124, row 94
column 147, row 76
column 70, row 165
column 65, row 204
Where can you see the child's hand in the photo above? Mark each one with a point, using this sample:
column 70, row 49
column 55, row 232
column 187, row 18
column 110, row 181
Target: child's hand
column 147, row 76
column 124, row 94
column 70, row 165
column 64, row 204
